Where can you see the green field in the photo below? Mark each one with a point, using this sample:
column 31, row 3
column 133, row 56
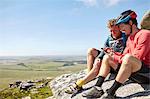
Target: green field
column 34, row 68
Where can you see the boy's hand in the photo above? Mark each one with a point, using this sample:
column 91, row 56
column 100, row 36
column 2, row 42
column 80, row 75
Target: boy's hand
column 97, row 61
column 109, row 51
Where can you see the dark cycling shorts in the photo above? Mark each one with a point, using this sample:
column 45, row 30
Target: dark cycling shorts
column 144, row 69
column 142, row 76
column 98, row 52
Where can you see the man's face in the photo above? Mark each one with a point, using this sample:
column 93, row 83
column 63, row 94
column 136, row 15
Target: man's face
column 115, row 31
column 125, row 28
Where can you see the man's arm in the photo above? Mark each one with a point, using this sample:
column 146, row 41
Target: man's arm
column 117, row 56
column 143, row 46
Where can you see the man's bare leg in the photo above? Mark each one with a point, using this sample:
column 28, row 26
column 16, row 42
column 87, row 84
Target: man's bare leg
column 129, row 65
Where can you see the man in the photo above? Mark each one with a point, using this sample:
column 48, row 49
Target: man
column 135, row 58
column 116, row 40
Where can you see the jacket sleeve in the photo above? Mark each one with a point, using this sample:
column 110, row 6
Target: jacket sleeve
column 118, row 56
column 143, row 46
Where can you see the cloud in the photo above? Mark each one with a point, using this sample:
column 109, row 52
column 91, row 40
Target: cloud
column 111, row 2
column 92, row 3
column 88, row 2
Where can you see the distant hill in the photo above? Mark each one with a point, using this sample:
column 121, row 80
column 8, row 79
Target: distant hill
column 22, row 64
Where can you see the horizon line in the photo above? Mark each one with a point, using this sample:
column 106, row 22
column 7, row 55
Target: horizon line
column 40, row 55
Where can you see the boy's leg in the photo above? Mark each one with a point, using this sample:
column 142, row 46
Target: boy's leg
column 94, row 71
column 107, row 64
column 104, row 71
column 95, row 64
column 91, row 55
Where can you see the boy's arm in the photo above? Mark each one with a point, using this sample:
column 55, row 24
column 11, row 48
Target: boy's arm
column 102, row 53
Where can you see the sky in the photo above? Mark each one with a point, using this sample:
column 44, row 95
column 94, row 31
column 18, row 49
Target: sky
column 59, row 27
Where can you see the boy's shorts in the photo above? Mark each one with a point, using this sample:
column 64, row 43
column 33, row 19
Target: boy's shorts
column 98, row 52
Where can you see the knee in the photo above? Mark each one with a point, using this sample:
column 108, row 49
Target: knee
column 127, row 59
column 91, row 51
column 106, row 57
column 132, row 62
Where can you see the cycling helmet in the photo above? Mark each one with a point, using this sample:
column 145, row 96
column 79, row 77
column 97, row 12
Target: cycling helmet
column 126, row 16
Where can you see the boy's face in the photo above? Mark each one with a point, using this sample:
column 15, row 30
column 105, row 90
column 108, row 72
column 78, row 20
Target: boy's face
column 115, row 31
column 125, row 28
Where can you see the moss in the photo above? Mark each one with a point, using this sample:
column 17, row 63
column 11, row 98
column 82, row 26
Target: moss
column 15, row 93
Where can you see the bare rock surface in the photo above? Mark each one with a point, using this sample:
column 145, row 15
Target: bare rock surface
column 130, row 90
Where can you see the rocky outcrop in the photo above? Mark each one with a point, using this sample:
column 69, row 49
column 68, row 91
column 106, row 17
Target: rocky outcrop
column 145, row 22
column 30, row 89
column 128, row 90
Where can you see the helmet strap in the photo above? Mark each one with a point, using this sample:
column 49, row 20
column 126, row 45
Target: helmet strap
column 130, row 29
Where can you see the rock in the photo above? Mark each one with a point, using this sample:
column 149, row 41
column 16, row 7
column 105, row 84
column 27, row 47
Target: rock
column 37, row 81
column 145, row 22
column 26, row 86
column 41, row 86
column 60, row 83
column 28, row 97
column 11, row 85
column 51, row 97
column 18, row 83
column 15, row 84
column 49, row 78
column 128, row 90
column 29, row 81
column 33, row 91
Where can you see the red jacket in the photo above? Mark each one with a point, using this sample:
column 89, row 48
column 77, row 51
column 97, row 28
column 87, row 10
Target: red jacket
column 138, row 45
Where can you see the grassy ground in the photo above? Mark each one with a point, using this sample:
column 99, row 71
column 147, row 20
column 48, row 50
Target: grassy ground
column 34, row 93
column 9, row 74
column 25, row 69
